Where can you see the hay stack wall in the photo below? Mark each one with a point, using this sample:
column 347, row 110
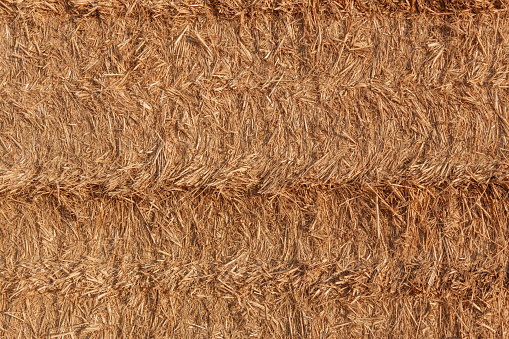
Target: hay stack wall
column 274, row 169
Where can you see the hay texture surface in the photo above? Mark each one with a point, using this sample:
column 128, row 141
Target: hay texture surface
column 270, row 169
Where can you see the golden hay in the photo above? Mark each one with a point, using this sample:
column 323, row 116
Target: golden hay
column 231, row 169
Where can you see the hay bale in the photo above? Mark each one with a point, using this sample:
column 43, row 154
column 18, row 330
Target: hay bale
column 269, row 169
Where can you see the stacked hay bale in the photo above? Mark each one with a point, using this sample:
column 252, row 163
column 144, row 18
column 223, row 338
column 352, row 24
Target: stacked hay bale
column 227, row 169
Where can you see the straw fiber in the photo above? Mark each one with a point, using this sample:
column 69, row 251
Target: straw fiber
column 269, row 169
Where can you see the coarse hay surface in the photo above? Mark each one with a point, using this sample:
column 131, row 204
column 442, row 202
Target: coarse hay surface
column 272, row 169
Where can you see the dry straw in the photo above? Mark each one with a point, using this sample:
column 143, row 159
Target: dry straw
column 227, row 169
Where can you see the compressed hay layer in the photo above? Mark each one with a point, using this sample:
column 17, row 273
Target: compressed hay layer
column 333, row 263
column 220, row 169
